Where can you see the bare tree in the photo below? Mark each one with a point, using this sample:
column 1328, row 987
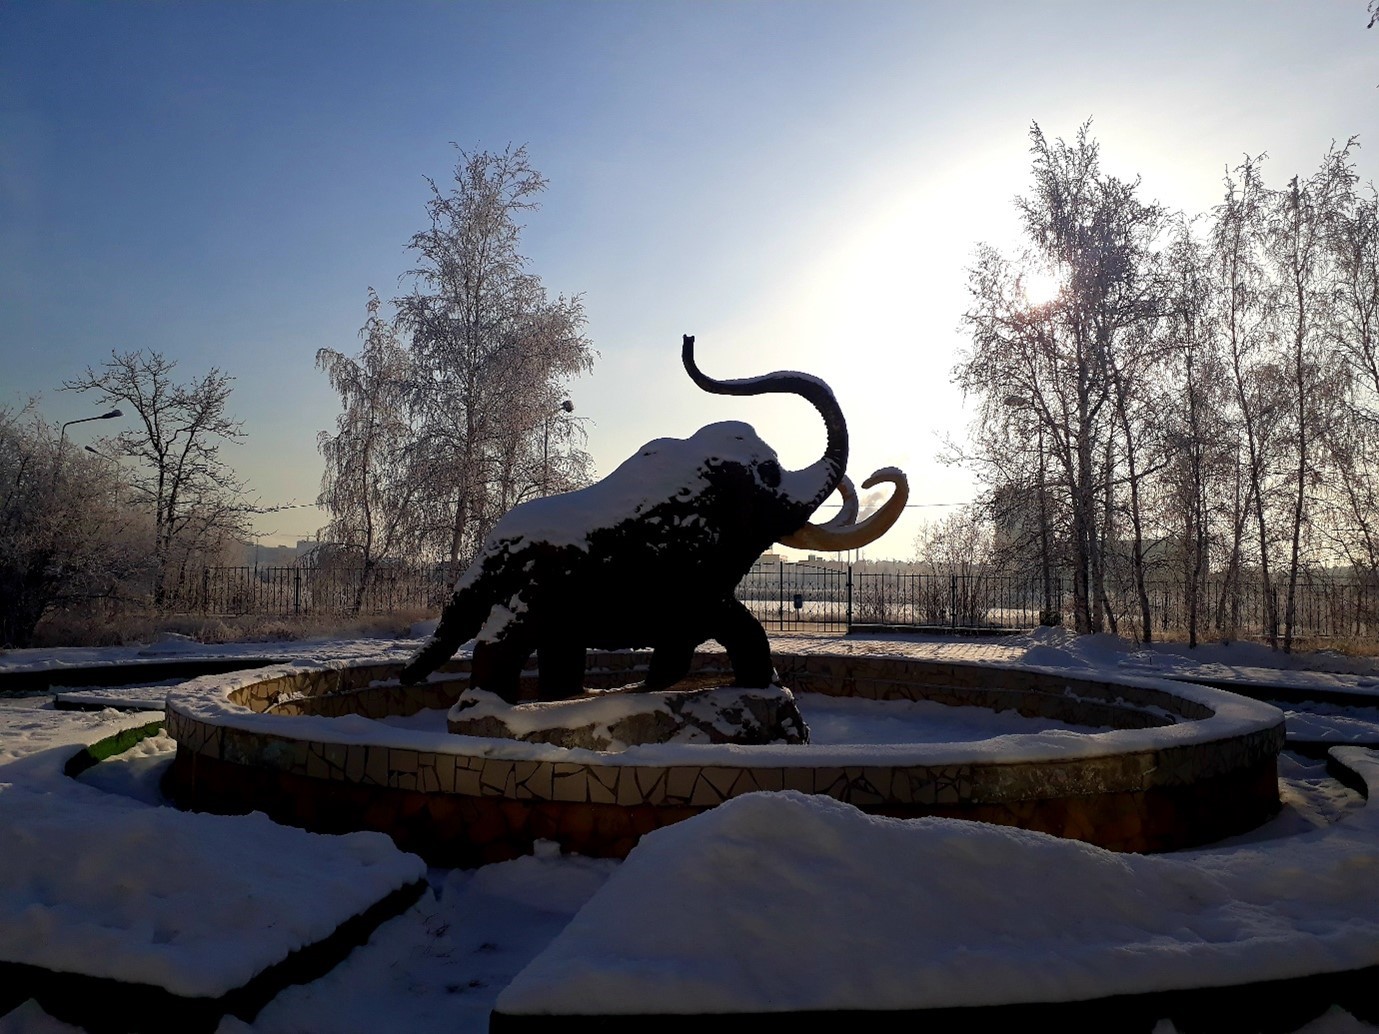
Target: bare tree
column 1178, row 392
column 197, row 500
column 956, row 555
column 493, row 351
column 961, row 543
column 1354, row 241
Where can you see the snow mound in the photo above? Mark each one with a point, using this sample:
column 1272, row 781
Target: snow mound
column 1056, row 647
column 197, row 904
column 545, row 880
column 173, row 644
column 887, row 914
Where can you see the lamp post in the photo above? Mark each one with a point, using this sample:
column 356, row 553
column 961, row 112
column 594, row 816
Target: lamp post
column 62, row 437
column 566, row 407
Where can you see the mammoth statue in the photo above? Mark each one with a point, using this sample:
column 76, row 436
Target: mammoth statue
column 650, row 555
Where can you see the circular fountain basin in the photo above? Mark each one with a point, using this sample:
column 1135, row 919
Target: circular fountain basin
column 1179, row 764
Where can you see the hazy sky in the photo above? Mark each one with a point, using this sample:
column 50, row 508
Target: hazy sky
column 800, row 185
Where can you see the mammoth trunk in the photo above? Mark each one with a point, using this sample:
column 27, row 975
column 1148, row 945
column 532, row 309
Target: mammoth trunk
column 460, row 621
column 809, row 487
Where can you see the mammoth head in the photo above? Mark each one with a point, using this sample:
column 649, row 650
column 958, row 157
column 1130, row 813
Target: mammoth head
column 806, row 489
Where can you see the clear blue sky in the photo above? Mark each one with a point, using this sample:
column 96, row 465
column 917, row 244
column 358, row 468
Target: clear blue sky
column 799, row 184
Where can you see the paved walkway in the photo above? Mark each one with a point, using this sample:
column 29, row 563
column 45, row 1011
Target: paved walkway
column 886, row 644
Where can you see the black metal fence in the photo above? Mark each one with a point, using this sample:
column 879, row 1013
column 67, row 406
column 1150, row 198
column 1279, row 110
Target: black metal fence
column 949, row 601
column 803, row 596
column 318, row 589
column 1323, row 607
column 790, row 597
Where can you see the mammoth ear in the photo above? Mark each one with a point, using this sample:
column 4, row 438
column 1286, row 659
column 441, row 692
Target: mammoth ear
column 844, row 532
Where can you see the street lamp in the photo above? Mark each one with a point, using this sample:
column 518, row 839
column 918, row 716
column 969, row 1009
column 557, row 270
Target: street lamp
column 567, row 407
column 62, row 437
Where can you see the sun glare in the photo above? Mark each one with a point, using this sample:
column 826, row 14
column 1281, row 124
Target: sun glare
column 1040, row 287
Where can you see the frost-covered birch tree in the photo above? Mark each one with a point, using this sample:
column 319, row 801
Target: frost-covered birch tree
column 1246, row 309
column 1298, row 232
column 1073, row 365
column 68, row 532
column 493, row 354
column 1202, row 406
column 1352, row 440
column 370, row 487
column 1195, row 503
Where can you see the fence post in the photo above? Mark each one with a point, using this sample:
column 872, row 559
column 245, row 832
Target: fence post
column 849, row 615
column 297, row 591
column 780, row 595
column 205, row 590
column 953, row 601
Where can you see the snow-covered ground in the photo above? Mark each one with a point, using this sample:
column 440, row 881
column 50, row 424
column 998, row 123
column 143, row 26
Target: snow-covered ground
column 932, row 913
column 735, row 909
column 850, row 720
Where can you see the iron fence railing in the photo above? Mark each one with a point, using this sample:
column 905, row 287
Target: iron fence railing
column 1323, row 608
column 799, row 596
column 791, row 597
column 313, row 589
column 967, row 601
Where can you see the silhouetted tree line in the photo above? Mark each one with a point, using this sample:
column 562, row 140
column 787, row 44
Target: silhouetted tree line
column 1198, row 399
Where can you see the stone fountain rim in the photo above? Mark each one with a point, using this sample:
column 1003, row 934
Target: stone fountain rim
column 208, row 701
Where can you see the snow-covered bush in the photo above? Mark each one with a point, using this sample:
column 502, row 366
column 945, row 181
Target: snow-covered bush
column 67, row 533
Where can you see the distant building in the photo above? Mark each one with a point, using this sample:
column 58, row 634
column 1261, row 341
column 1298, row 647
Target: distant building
column 255, row 554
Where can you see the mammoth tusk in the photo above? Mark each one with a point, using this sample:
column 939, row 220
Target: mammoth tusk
column 847, row 513
column 842, row 532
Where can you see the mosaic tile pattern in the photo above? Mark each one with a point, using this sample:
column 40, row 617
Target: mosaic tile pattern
column 611, row 804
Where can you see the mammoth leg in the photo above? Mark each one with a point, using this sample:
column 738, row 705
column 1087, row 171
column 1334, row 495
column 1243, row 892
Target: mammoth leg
column 748, row 648
column 670, row 662
column 498, row 664
column 560, row 669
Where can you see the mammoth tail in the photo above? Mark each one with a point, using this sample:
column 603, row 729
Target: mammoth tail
column 819, row 480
